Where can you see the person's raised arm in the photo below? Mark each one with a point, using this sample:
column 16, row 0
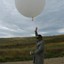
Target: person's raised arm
column 36, row 33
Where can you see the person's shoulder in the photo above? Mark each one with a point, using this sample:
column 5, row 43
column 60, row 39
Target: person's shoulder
column 41, row 42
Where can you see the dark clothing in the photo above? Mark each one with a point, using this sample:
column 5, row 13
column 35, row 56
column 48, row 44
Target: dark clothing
column 38, row 57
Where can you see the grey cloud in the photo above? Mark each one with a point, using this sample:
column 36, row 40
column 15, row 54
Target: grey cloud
column 49, row 22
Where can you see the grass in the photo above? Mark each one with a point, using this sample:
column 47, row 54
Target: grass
column 17, row 49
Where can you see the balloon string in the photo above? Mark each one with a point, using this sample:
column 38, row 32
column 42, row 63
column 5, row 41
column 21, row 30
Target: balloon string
column 34, row 22
column 35, row 25
column 32, row 18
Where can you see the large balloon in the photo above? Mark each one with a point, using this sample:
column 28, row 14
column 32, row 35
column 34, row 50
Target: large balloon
column 30, row 8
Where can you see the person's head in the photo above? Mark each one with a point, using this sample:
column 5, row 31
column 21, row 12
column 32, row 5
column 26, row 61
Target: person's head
column 39, row 37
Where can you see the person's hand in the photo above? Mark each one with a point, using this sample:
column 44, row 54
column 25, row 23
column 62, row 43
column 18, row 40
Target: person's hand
column 31, row 52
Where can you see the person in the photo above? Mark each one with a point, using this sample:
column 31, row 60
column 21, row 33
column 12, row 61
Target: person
column 38, row 54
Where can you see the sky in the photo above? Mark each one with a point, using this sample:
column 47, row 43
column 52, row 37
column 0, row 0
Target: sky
column 49, row 22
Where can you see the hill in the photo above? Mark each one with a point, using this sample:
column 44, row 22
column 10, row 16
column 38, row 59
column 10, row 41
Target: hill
column 17, row 49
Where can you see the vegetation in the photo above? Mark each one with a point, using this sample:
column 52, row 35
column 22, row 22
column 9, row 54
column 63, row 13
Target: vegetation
column 17, row 49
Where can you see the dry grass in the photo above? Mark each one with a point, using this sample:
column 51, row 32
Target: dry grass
column 17, row 49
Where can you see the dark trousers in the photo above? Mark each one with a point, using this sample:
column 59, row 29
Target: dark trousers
column 34, row 58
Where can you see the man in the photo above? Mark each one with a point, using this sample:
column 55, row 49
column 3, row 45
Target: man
column 38, row 54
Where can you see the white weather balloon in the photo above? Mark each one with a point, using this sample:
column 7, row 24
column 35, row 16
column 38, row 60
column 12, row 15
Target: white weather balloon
column 30, row 8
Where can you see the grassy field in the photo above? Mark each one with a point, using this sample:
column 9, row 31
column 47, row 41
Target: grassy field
column 17, row 49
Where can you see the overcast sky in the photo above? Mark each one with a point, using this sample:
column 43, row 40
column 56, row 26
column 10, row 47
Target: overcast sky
column 49, row 22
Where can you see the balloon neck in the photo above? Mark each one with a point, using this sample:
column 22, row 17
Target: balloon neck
column 32, row 18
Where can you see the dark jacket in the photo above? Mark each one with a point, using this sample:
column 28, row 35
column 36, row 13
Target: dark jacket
column 38, row 57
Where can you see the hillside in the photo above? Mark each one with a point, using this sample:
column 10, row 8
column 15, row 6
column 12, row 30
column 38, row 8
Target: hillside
column 17, row 49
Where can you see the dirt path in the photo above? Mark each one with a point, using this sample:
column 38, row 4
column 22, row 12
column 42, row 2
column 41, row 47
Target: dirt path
column 46, row 61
